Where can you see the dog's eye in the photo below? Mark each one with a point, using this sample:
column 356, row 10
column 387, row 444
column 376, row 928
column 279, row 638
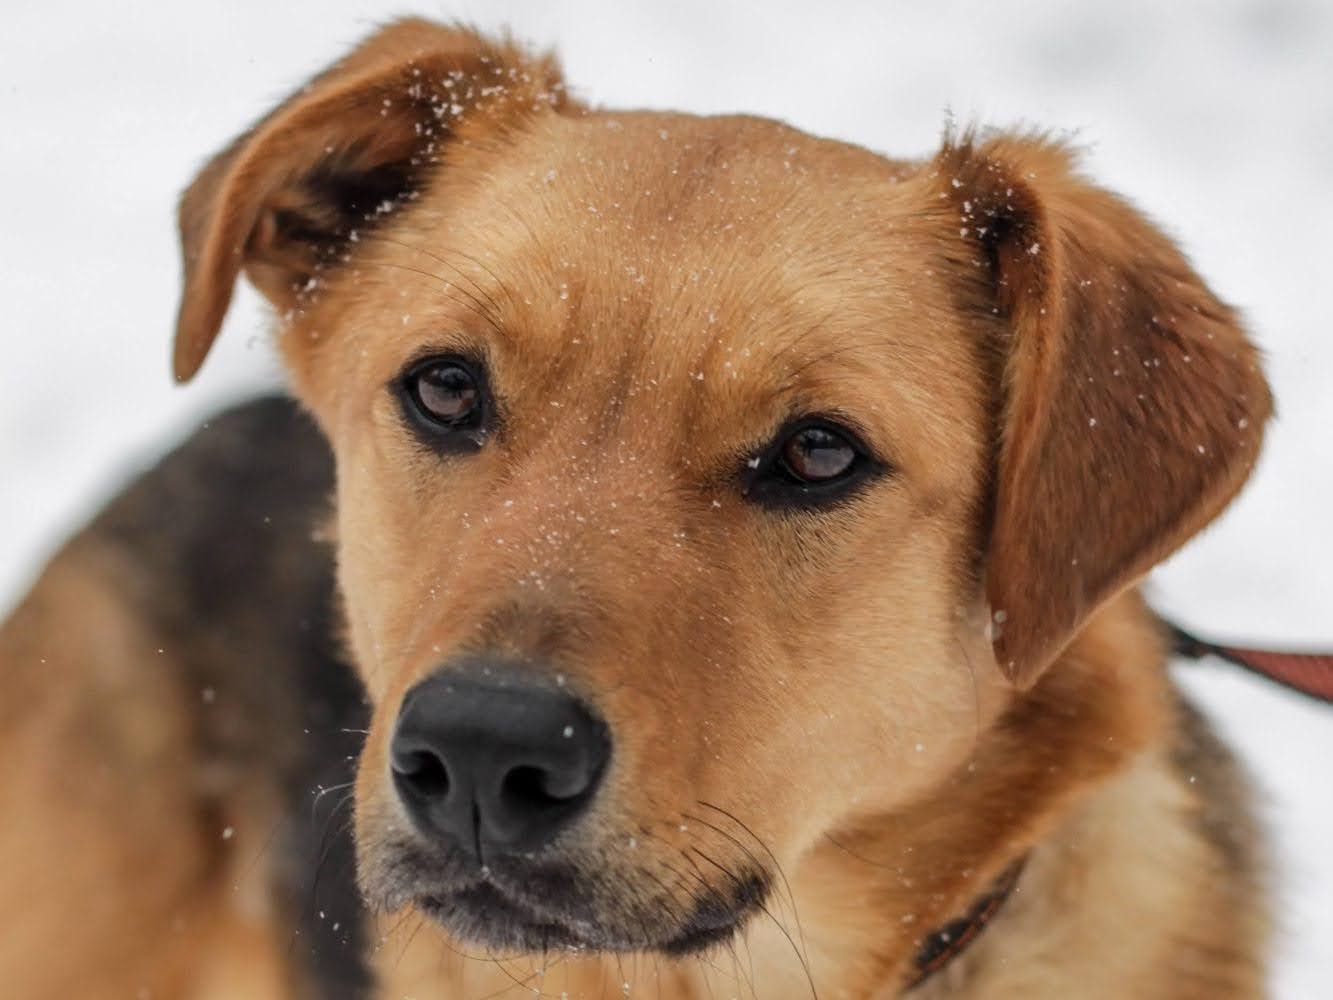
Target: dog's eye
column 816, row 455
column 446, row 397
column 446, row 393
column 807, row 464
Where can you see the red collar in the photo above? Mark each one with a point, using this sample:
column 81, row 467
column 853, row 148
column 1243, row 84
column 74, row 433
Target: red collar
column 944, row 945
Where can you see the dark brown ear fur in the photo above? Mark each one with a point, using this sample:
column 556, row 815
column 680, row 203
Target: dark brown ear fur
column 342, row 151
column 1132, row 406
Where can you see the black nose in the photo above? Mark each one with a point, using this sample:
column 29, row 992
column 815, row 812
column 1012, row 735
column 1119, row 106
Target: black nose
column 495, row 759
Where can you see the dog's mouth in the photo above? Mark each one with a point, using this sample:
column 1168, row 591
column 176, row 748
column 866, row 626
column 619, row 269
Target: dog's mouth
column 486, row 915
column 513, row 917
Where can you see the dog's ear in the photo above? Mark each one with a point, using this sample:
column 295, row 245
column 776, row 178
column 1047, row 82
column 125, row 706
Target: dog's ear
column 344, row 150
column 1130, row 406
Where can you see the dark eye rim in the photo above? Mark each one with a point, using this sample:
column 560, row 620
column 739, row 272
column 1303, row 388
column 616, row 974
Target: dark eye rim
column 767, row 481
column 460, row 436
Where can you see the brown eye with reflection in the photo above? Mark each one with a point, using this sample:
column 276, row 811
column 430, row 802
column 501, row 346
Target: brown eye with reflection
column 817, row 455
column 811, row 463
column 446, row 393
column 446, row 402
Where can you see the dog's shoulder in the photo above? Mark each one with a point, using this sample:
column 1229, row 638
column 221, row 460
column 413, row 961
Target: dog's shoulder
column 219, row 550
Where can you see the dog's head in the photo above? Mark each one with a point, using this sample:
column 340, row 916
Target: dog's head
column 702, row 486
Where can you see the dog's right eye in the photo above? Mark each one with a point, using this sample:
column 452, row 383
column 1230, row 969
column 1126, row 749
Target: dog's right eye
column 447, row 400
column 811, row 463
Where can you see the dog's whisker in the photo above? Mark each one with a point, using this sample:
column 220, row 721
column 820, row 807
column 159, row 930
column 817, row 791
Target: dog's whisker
column 549, row 963
column 682, row 880
column 328, row 838
column 499, row 283
column 794, row 376
column 620, row 968
column 693, row 818
column 407, row 944
column 798, row 951
column 976, row 694
column 406, row 914
column 319, row 796
column 748, row 853
column 777, row 865
column 263, row 848
column 515, row 982
column 476, row 286
column 859, row 857
column 737, row 974
column 696, row 898
column 713, row 896
column 668, row 904
column 473, row 303
column 812, row 330
column 749, row 960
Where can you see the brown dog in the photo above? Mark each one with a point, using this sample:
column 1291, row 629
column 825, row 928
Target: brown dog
column 736, row 535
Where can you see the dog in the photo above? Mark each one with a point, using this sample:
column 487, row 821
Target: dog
column 703, row 559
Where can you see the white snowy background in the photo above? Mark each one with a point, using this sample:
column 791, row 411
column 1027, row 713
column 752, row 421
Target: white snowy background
column 1217, row 118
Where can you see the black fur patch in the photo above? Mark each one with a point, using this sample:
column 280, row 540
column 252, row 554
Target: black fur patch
column 221, row 538
column 1223, row 815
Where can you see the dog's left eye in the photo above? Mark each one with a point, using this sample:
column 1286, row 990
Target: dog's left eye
column 810, row 463
column 447, row 399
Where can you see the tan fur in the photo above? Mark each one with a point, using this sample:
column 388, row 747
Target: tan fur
column 120, row 882
column 828, row 697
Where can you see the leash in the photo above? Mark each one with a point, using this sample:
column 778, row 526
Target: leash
column 1310, row 674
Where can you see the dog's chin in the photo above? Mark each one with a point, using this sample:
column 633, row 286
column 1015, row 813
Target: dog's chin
column 483, row 914
column 491, row 916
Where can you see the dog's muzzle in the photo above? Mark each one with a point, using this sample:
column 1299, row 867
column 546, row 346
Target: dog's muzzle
column 494, row 765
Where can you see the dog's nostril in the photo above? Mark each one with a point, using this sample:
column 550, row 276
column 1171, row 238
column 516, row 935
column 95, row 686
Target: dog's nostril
column 423, row 772
column 525, row 784
column 537, row 787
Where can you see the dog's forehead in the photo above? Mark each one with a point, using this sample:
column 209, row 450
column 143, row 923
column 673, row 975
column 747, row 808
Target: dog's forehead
column 733, row 254
column 642, row 219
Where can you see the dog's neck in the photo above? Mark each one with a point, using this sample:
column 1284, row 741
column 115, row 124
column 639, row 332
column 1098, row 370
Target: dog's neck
column 870, row 894
column 852, row 914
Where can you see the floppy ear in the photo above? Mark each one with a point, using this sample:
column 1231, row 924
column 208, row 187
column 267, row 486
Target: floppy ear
column 341, row 152
column 1131, row 407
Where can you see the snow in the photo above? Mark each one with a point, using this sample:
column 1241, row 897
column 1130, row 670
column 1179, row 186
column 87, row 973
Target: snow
column 1216, row 118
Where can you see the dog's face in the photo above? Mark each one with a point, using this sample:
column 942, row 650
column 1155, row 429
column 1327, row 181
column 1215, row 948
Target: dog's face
column 705, row 458
column 683, row 505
